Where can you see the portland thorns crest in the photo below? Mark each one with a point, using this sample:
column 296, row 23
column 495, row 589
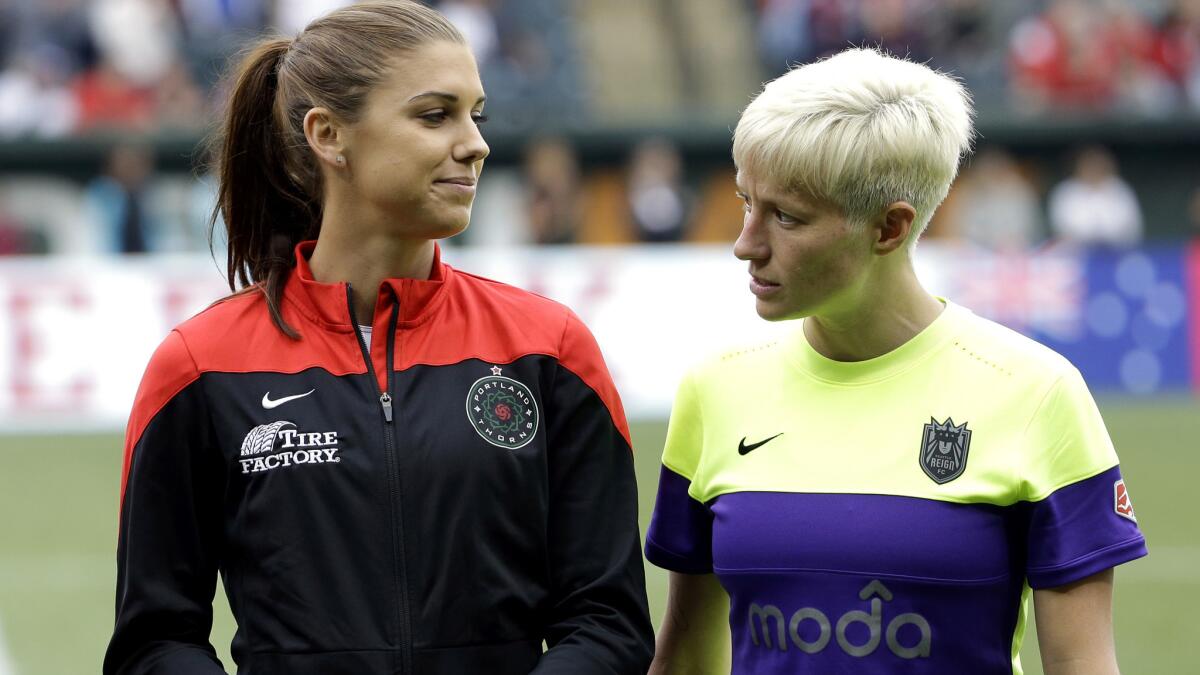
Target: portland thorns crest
column 502, row 410
column 944, row 450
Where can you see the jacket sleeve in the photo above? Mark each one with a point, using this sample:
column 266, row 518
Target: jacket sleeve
column 598, row 619
column 169, row 543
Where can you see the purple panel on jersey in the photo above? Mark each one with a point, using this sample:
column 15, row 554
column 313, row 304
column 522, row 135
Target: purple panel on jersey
column 857, row 533
column 823, row 622
column 869, row 583
column 680, row 534
column 1077, row 531
column 825, row 583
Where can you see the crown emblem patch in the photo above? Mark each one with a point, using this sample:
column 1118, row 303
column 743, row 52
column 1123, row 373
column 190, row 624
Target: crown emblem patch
column 944, row 448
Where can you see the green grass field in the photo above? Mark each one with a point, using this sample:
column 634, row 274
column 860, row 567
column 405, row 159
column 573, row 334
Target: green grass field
column 58, row 497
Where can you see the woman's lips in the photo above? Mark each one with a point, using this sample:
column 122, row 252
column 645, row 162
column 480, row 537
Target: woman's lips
column 761, row 287
column 463, row 186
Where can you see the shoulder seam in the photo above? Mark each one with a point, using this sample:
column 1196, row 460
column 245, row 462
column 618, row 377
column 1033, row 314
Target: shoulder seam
column 562, row 336
column 186, row 348
column 496, row 282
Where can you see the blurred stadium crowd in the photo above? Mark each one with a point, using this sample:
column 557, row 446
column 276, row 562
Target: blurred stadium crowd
column 142, row 69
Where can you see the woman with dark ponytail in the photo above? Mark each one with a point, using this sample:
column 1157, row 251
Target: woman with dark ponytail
column 394, row 466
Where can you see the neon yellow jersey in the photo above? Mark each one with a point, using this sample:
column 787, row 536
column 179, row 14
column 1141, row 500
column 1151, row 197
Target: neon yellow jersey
column 890, row 514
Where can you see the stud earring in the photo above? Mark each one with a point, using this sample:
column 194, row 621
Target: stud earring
column 341, row 159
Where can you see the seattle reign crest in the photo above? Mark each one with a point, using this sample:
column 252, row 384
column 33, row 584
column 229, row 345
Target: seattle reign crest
column 502, row 410
column 944, row 450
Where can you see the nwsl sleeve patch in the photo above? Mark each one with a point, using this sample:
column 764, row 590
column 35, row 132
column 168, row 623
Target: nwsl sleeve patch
column 1121, row 503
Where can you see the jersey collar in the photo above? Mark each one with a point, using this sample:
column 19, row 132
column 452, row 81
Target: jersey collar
column 900, row 359
column 328, row 303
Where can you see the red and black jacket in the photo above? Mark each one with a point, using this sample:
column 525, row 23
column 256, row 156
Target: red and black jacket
column 443, row 502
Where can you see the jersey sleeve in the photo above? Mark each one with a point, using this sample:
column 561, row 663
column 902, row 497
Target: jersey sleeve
column 680, row 534
column 1081, row 520
column 597, row 619
column 169, row 540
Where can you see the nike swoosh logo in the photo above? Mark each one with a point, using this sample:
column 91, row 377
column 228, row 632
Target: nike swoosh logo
column 744, row 449
column 269, row 404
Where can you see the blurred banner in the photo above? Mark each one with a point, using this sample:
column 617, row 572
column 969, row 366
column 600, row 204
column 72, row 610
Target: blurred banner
column 75, row 333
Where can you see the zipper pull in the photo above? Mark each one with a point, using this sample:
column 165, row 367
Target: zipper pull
column 386, row 401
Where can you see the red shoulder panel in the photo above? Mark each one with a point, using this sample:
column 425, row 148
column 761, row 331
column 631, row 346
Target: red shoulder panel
column 236, row 335
column 581, row 355
column 498, row 323
column 482, row 319
column 171, row 368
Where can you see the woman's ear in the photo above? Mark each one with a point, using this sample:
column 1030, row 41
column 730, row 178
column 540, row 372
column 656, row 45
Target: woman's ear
column 895, row 227
column 326, row 137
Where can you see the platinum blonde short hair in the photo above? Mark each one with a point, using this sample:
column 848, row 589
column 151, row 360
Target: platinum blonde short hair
column 859, row 130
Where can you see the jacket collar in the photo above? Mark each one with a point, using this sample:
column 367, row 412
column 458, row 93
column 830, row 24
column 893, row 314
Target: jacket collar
column 329, row 303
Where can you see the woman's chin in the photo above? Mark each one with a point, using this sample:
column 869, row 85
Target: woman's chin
column 444, row 228
column 448, row 230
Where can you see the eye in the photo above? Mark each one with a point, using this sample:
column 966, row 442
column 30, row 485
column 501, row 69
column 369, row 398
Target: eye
column 745, row 201
column 479, row 118
column 785, row 219
column 434, row 116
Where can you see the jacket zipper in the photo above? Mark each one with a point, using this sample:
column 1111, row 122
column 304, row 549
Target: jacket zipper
column 399, row 570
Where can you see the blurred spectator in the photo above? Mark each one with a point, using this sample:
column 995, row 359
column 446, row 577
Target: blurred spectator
column 552, row 178
column 136, row 37
column 34, row 98
column 798, row 31
column 214, row 29
column 534, row 73
column 116, row 201
column 475, row 20
column 178, row 103
column 1176, row 48
column 1065, row 57
column 967, row 38
column 220, row 19
column 1094, row 206
column 784, row 33
column 996, row 206
column 960, row 30
column 899, row 26
column 1142, row 85
column 105, row 100
column 62, row 24
column 659, row 203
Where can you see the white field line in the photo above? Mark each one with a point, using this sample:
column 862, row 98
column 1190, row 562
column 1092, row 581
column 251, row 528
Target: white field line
column 6, row 662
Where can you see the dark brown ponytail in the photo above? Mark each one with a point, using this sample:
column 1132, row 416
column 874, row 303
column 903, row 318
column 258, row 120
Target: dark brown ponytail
column 269, row 184
column 266, row 211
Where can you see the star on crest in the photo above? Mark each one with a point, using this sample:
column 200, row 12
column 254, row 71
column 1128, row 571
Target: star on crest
column 496, row 371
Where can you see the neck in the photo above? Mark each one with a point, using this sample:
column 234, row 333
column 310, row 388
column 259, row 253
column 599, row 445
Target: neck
column 888, row 311
column 364, row 261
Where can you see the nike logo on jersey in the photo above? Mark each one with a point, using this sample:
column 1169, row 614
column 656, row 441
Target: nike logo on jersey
column 269, row 404
column 744, row 449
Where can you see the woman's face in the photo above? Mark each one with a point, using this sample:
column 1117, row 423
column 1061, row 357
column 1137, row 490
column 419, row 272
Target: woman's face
column 805, row 258
column 415, row 153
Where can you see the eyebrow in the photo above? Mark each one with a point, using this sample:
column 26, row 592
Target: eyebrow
column 452, row 98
